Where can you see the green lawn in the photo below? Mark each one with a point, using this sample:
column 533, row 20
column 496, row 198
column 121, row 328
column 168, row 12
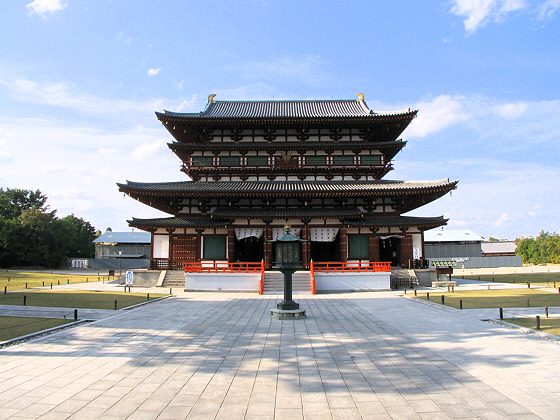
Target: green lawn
column 548, row 325
column 509, row 298
column 76, row 299
column 12, row 326
column 533, row 278
column 17, row 280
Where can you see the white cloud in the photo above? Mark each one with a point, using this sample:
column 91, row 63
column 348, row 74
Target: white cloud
column 478, row 13
column 44, row 7
column 154, row 72
column 308, row 68
column 437, row 114
column 64, row 95
column 504, row 217
column 511, row 110
column 548, row 9
column 78, row 167
column 145, row 150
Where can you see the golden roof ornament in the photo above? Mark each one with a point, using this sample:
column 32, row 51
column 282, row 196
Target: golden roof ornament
column 360, row 97
column 211, row 97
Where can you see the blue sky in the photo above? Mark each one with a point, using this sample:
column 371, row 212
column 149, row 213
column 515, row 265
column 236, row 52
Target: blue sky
column 80, row 81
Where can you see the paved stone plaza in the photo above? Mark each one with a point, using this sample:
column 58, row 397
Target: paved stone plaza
column 217, row 355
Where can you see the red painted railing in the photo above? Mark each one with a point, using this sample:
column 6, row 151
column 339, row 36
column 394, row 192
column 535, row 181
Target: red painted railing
column 346, row 267
column 227, row 267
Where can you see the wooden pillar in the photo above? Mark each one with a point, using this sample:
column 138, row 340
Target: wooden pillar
column 305, row 246
column 199, row 254
column 343, row 244
column 267, row 246
column 373, row 248
column 231, row 244
column 407, row 254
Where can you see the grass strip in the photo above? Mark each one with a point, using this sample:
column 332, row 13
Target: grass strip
column 19, row 280
column 12, row 326
column 522, row 278
column 77, row 299
column 548, row 325
column 508, row 298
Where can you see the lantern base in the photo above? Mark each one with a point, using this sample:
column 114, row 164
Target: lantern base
column 288, row 314
column 287, row 305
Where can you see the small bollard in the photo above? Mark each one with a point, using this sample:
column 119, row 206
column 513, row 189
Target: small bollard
column 528, row 302
column 148, row 296
column 171, row 291
column 428, row 296
column 115, row 304
column 460, row 303
column 492, row 278
column 538, row 322
column 555, row 285
column 58, row 282
column 75, row 314
column 546, row 311
column 26, row 285
column 5, row 289
column 415, row 294
column 24, row 300
column 43, row 283
column 86, row 279
column 442, row 300
column 404, row 291
column 51, row 284
column 501, row 313
column 528, row 285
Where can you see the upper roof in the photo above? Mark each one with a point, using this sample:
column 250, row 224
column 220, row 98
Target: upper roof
column 452, row 236
column 125, row 238
column 332, row 108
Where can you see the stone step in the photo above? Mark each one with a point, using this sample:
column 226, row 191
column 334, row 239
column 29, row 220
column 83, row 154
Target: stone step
column 274, row 282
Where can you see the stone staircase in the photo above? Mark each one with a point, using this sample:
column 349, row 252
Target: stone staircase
column 274, row 282
column 174, row 278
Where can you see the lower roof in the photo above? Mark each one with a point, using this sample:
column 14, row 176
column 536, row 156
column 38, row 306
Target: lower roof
column 284, row 188
column 422, row 223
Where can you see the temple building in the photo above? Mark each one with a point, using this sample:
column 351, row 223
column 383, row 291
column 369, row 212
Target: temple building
column 315, row 165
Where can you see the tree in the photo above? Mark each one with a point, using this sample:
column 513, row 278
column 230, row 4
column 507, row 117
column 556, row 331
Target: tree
column 545, row 248
column 14, row 201
column 31, row 235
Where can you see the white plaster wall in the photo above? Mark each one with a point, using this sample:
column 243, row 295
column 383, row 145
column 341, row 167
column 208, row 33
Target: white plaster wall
column 223, row 281
column 352, row 281
column 417, row 244
column 161, row 246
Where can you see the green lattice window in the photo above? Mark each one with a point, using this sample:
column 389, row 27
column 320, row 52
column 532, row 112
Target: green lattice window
column 358, row 247
column 343, row 160
column 257, row 160
column 230, row 161
column 371, row 160
column 201, row 161
column 315, row 160
column 214, row 247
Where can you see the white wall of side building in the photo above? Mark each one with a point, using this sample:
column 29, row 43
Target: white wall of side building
column 238, row 282
column 352, row 281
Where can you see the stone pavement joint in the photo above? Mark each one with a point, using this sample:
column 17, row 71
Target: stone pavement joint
column 221, row 355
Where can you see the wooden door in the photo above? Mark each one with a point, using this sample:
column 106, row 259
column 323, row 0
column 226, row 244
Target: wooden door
column 184, row 249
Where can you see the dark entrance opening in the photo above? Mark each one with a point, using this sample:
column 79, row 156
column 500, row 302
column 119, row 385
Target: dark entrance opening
column 326, row 251
column 250, row 249
column 390, row 250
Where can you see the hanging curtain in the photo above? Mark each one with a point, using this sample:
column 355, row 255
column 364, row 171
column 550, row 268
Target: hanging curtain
column 276, row 232
column 242, row 233
column 323, row 234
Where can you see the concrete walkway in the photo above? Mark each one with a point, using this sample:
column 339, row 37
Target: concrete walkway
column 220, row 355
